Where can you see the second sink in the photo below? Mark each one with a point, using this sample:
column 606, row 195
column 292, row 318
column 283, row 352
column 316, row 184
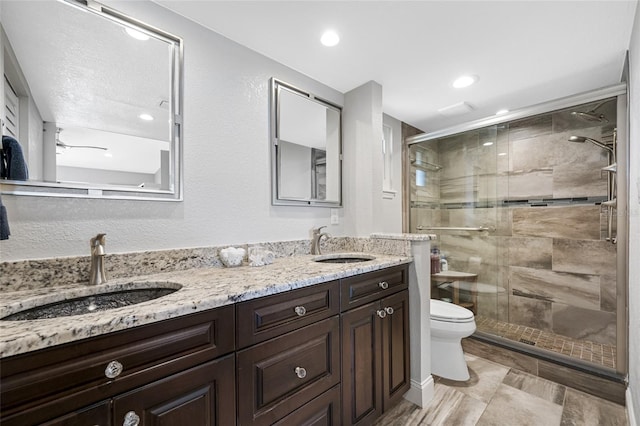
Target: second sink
column 343, row 258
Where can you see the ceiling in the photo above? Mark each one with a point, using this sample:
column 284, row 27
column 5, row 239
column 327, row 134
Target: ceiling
column 524, row 52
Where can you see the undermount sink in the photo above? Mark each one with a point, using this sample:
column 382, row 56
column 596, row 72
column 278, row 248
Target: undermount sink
column 343, row 258
column 99, row 301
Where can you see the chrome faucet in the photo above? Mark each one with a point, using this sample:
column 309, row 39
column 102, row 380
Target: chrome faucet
column 315, row 239
column 96, row 273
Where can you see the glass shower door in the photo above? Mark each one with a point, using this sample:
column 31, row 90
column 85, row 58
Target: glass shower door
column 456, row 186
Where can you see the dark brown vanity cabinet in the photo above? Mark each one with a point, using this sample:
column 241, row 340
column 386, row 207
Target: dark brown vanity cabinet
column 375, row 347
column 328, row 354
column 91, row 381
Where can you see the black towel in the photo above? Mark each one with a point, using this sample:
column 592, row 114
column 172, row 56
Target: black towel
column 4, row 222
column 12, row 164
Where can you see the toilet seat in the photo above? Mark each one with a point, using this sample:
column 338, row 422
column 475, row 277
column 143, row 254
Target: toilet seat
column 448, row 312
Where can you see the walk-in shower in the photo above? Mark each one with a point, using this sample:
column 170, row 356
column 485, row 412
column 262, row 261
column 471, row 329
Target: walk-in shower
column 525, row 221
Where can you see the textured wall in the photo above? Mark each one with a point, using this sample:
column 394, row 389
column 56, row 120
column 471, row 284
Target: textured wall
column 227, row 175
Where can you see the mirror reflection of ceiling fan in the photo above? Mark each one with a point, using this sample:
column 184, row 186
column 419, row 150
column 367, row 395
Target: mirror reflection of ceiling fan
column 66, row 146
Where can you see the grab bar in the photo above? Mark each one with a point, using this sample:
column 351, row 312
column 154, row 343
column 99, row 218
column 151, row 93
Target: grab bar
column 451, row 228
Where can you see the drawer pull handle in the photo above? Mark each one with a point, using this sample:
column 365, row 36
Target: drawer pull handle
column 131, row 419
column 389, row 310
column 113, row 370
column 383, row 285
column 301, row 372
column 382, row 313
column 300, row 310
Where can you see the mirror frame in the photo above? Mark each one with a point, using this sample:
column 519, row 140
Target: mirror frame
column 276, row 200
column 123, row 192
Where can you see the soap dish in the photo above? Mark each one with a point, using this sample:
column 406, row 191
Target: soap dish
column 231, row 257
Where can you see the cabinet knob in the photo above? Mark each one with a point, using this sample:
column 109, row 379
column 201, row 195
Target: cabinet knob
column 301, row 372
column 389, row 310
column 383, row 285
column 300, row 310
column 113, row 370
column 131, row 419
column 382, row 313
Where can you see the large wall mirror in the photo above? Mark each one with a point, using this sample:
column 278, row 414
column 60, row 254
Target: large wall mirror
column 92, row 101
column 306, row 142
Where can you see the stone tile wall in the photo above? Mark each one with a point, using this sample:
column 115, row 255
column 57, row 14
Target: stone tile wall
column 550, row 258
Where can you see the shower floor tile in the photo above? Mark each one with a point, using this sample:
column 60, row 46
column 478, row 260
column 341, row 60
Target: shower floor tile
column 584, row 350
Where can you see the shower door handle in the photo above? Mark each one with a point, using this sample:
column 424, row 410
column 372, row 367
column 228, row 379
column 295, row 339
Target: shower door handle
column 452, row 228
column 611, row 205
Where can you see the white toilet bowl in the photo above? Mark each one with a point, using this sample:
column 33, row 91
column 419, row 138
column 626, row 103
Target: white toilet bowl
column 449, row 324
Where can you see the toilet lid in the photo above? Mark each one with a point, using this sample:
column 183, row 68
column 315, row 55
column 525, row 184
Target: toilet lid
column 444, row 311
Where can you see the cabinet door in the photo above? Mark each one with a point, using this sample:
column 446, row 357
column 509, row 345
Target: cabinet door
column 280, row 375
column 361, row 365
column 96, row 415
column 395, row 348
column 203, row 396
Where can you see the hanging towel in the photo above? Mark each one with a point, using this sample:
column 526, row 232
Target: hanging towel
column 4, row 222
column 12, row 164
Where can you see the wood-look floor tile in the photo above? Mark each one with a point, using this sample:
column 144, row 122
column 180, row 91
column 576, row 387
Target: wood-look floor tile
column 485, row 378
column 512, row 406
column 448, row 407
column 541, row 388
column 581, row 409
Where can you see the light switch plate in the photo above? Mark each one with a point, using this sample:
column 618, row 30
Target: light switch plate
column 335, row 219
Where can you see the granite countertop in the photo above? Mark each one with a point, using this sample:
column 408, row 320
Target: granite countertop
column 201, row 289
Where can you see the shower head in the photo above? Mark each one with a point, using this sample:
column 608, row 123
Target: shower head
column 591, row 116
column 583, row 139
column 580, row 139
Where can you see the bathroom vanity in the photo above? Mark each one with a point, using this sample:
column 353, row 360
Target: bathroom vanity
column 332, row 345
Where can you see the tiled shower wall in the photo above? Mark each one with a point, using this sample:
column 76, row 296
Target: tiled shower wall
column 546, row 255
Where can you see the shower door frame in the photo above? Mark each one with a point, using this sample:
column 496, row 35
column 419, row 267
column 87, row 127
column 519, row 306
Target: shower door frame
column 622, row 271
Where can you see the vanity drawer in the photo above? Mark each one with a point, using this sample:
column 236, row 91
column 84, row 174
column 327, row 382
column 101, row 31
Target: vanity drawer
column 74, row 374
column 365, row 288
column 267, row 317
column 278, row 376
column 324, row 410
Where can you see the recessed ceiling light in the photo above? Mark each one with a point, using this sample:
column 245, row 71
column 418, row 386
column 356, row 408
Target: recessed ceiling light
column 464, row 81
column 330, row 38
column 502, row 153
column 487, row 143
column 138, row 35
column 502, row 111
column 146, row 117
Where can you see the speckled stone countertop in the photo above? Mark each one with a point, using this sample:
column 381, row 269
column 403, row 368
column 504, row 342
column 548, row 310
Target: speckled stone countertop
column 201, row 289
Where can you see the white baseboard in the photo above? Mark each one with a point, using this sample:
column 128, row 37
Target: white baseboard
column 630, row 409
column 421, row 394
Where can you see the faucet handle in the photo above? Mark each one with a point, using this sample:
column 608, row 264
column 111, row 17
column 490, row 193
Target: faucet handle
column 98, row 240
column 316, row 231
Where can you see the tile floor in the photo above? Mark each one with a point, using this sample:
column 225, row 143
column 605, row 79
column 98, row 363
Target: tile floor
column 596, row 353
column 503, row 396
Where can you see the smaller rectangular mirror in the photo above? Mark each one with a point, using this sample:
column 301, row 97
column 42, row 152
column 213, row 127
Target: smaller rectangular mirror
column 306, row 148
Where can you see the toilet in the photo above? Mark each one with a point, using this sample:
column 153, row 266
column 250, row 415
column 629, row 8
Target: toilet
column 449, row 324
